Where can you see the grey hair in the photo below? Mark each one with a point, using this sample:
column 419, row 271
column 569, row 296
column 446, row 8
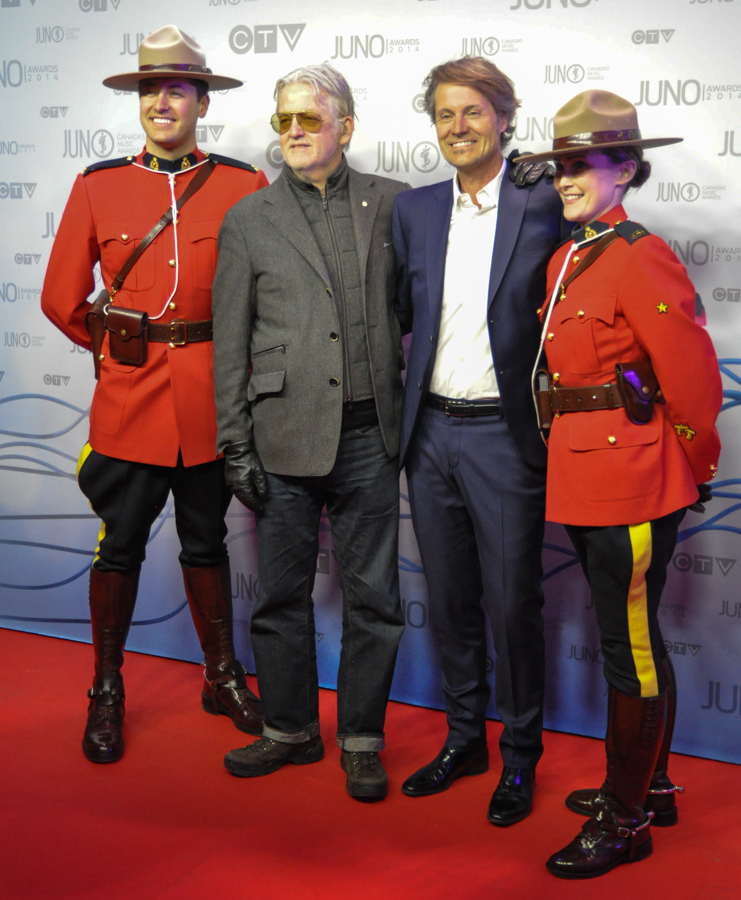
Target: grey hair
column 322, row 78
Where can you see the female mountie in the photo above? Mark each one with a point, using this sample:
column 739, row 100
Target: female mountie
column 629, row 401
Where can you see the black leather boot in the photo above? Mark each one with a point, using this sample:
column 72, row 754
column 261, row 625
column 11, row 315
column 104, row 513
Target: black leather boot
column 225, row 690
column 112, row 599
column 660, row 799
column 620, row 830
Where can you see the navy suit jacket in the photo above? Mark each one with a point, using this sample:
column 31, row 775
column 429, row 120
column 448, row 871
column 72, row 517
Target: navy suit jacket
column 529, row 225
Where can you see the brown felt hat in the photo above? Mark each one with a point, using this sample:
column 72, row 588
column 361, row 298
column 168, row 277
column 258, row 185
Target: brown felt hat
column 594, row 120
column 166, row 53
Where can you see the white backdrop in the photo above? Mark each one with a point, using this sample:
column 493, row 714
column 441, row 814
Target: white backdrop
column 676, row 59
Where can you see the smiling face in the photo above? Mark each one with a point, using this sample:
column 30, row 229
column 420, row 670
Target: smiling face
column 313, row 156
column 468, row 131
column 169, row 110
column 590, row 184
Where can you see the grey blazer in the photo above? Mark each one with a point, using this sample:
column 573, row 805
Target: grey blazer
column 274, row 359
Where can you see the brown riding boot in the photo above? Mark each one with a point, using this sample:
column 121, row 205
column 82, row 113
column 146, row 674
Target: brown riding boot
column 660, row 799
column 112, row 599
column 225, row 690
column 620, row 831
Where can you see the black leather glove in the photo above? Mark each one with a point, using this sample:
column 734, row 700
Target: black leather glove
column 706, row 495
column 245, row 476
column 525, row 172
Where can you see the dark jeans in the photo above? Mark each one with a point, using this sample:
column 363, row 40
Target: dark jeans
column 625, row 566
column 478, row 510
column 361, row 494
column 128, row 497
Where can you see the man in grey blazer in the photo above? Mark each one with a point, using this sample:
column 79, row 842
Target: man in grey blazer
column 307, row 368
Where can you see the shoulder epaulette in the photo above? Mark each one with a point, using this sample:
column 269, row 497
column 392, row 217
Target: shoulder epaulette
column 236, row 163
column 631, row 231
column 108, row 164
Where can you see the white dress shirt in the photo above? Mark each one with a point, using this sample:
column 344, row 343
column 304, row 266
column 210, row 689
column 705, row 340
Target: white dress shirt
column 464, row 366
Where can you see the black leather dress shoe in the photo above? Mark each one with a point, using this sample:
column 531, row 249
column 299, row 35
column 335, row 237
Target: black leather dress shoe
column 448, row 765
column 512, row 801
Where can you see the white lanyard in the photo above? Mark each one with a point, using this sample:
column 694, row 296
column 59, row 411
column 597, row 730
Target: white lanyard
column 171, row 181
column 551, row 305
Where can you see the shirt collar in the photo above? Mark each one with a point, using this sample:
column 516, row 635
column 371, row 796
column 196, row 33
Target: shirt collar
column 488, row 196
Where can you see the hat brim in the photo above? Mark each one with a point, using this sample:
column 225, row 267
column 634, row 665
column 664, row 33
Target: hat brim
column 646, row 143
column 129, row 81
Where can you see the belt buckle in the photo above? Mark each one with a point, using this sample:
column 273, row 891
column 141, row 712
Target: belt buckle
column 173, row 325
column 451, row 411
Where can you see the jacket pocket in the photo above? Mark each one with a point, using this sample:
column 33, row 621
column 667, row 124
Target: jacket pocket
column 203, row 236
column 117, row 242
column 587, row 336
column 616, row 459
column 266, row 383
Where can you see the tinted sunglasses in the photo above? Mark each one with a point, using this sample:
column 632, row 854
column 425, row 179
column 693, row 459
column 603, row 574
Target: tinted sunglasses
column 307, row 121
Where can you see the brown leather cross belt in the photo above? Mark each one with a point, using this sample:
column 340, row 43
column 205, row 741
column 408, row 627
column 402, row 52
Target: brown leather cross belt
column 591, row 397
column 180, row 332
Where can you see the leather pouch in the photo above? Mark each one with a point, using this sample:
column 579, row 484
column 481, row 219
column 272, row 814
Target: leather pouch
column 95, row 324
column 639, row 390
column 127, row 335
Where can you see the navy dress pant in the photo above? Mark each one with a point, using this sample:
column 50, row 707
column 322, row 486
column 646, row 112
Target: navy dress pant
column 479, row 513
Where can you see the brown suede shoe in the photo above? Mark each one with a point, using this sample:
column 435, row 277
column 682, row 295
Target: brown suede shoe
column 366, row 777
column 266, row 756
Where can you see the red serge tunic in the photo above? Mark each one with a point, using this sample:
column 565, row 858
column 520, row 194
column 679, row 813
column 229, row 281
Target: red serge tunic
column 636, row 301
column 148, row 413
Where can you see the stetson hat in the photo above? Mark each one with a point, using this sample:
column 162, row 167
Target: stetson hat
column 595, row 120
column 166, row 53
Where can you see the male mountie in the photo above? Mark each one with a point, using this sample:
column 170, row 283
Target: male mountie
column 152, row 420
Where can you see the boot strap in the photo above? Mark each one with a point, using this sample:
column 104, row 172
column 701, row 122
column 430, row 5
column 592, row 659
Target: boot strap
column 225, row 677
column 622, row 831
column 674, row 789
column 114, row 696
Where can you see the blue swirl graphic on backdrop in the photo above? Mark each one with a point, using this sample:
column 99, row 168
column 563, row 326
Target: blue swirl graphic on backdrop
column 35, row 465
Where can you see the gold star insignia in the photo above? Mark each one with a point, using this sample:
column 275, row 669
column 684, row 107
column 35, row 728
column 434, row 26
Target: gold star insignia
column 663, row 308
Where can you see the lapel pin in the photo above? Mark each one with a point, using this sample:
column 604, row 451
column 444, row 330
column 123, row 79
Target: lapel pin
column 364, row 203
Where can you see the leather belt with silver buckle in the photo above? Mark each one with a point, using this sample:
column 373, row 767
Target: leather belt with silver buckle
column 179, row 332
column 463, row 408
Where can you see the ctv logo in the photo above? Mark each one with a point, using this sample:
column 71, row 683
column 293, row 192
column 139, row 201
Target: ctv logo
column 97, row 5
column 52, row 112
column 14, row 189
column 679, row 648
column 652, row 37
column 27, row 259
column 203, row 131
column 56, row 380
column 702, row 565
column 264, row 38
column 732, row 295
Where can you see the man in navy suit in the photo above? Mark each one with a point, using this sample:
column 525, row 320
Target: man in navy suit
column 471, row 258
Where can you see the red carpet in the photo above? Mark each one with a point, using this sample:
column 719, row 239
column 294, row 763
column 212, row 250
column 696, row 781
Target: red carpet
column 168, row 822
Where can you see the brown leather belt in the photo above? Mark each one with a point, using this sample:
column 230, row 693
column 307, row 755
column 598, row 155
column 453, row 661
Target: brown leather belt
column 179, row 332
column 584, row 399
column 463, row 408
